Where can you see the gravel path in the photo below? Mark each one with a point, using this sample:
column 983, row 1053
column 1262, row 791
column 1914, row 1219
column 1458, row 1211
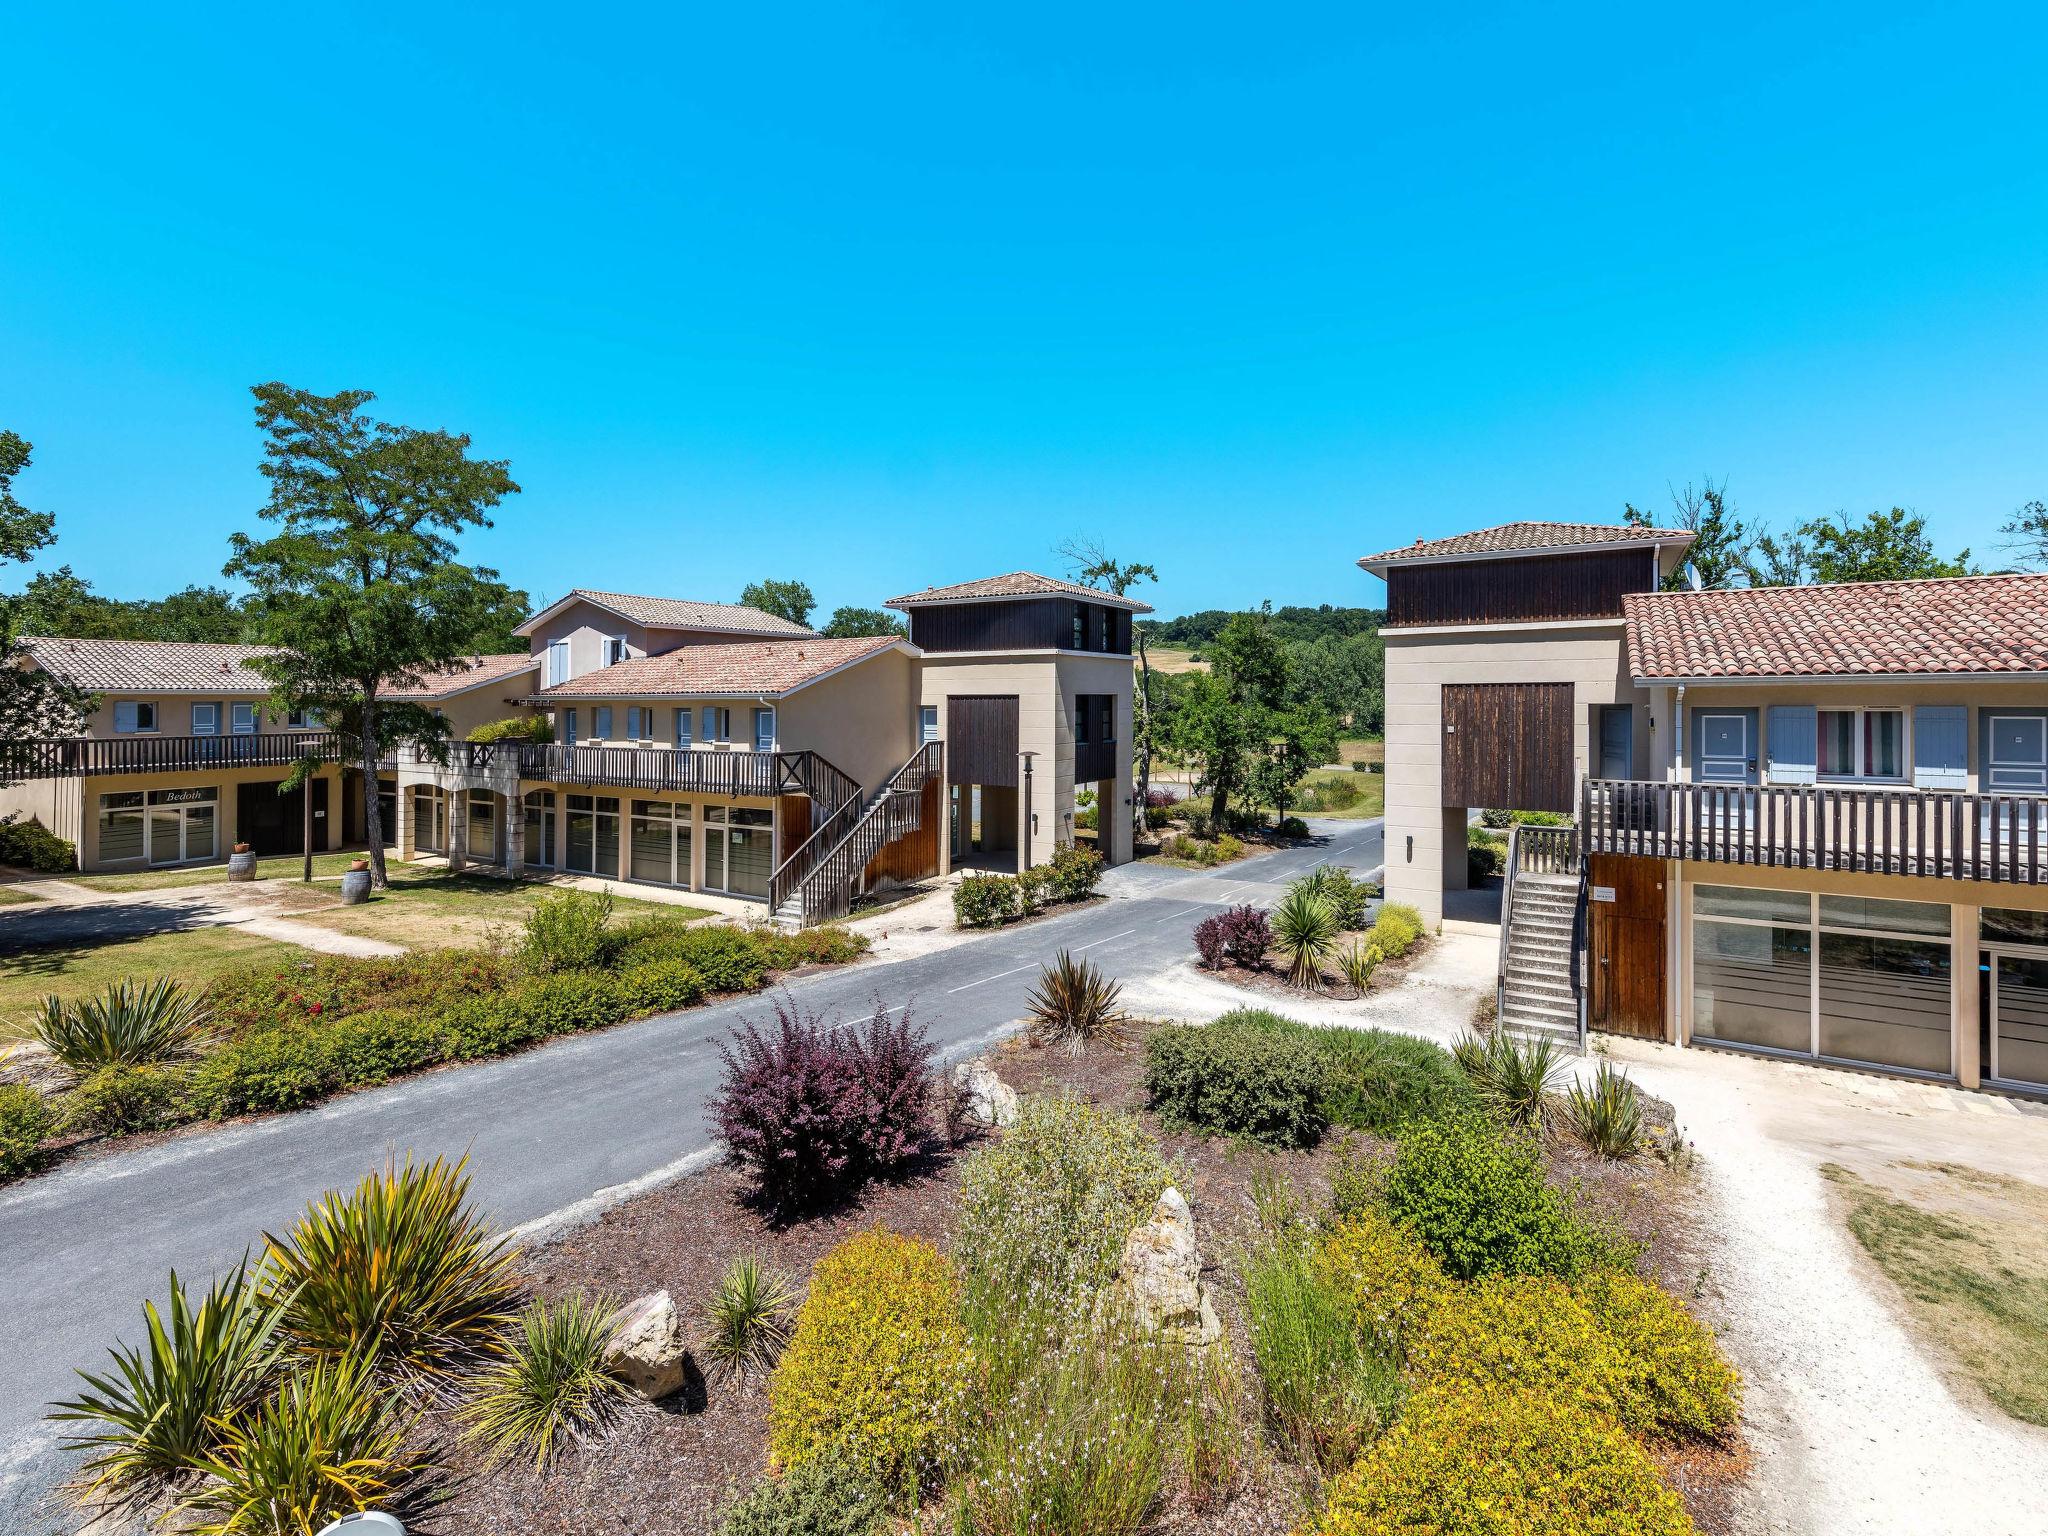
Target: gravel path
column 1854, row 1425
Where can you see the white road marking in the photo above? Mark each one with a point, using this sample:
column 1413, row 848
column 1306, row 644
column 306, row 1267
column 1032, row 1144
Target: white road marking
column 999, row 975
column 1092, row 943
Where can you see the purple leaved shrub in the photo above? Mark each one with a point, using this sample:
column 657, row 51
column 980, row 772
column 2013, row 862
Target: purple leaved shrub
column 1241, row 936
column 812, row 1109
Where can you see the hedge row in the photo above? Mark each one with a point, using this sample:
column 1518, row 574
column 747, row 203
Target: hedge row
column 989, row 901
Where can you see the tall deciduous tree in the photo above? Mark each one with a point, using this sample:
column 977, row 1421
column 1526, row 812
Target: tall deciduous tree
column 1234, row 721
column 1885, row 546
column 359, row 590
column 32, row 703
column 1721, row 541
column 2027, row 533
column 854, row 623
column 791, row 600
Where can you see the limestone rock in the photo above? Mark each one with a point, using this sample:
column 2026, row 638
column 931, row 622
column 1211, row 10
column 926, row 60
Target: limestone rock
column 985, row 1099
column 648, row 1351
column 1161, row 1274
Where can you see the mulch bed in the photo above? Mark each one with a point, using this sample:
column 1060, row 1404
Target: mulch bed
column 669, row 1472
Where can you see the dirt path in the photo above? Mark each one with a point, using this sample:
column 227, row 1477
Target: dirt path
column 1857, row 1425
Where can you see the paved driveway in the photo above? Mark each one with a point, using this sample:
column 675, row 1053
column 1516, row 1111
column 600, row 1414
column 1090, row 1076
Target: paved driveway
column 558, row 1130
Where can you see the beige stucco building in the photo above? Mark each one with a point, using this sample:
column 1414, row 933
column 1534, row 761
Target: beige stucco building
column 1808, row 821
column 703, row 746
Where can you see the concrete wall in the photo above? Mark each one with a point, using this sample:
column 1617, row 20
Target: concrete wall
column 53, row 802
column 1423, row 842
column 586, row 626
column 1112, row 675
column 480, row 706
column 174, row 712
column 862, row 720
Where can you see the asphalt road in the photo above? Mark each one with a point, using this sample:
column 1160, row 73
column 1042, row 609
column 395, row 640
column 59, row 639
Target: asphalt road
column 551, row 1134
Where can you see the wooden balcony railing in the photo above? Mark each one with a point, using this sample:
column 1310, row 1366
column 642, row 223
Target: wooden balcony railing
column 1939, row 834
column 90, row 757
column 732, row 774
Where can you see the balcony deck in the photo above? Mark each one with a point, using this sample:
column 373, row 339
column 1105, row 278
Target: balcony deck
column 734, row 775
column 1935, row 834
column 90, row 757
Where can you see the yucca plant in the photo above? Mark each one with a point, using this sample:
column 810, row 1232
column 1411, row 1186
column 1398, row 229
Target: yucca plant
column 401, row 1272
column 1074, row 1005
column 1607, row 1114
column 1357, row 963
column 1514, row 1076
column 552, row 1382
column 750, row 1314
column 129, row 1024
column 1305, row 931
column 157, row 1414
column 327, row 1443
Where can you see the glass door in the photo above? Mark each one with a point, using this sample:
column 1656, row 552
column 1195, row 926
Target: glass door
column 483, row 826
column 540, row 828
column 714, row 847
column 752, row 857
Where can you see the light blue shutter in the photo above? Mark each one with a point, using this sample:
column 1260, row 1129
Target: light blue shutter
column 1794, row 743
column 764, row 730
column 682, row 727
column 568, row 727
column 124, row 719
column 1941, row 746
column 710, row 733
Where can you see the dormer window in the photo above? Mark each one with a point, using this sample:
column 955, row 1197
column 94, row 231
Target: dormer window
column 614, row 649
column 558, row 662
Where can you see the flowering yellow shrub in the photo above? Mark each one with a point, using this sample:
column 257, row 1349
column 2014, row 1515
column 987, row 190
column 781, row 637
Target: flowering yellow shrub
column 1389, row 1280
column 1523, row 1331
column 1674, row 1375
column 876, row 1364
column 1502, row 1463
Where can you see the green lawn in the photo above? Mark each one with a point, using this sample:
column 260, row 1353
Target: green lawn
column 429, row 908
column 1371, row 789
column 72, row 970
column 10, row 897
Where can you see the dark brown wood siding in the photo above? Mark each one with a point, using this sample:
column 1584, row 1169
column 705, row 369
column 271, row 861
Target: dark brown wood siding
column 1625, row 944
column 1531, row 590
column 981, row 739
column 915, row 854
column 1034, row 624
column 1508, row 746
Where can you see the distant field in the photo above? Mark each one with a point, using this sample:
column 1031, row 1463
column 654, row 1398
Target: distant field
column 1169, row 659
column 1364, row 750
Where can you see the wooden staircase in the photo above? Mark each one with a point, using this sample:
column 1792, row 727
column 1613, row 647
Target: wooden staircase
column 820, row 879
column 1541, row 984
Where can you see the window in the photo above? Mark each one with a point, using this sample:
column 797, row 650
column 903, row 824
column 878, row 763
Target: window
column 1862, row 743
column 601, row 722
column 2017, row 753
column 764, row 730
column 683, row 720
column 205, row 719
column 130, row 718
column 122, row 823
column 1847, row 978
column 1102, row 629
column 1080, row 627
column 242, row 719
column 302, row 719
column 558, row 662
column 633, row 722
column 717, row 722
column 927, row 723
column 614, row 649
column 1084, row 706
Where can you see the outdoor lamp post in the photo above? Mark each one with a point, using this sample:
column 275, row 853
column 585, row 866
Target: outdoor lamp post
column 1025, row 862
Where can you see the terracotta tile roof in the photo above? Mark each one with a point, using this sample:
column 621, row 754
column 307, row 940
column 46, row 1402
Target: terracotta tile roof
column 149, row 666
column 1964, row 624
column 1016, row 584
column 676, row 613
column 1525, row 538
column 470, row 672
column 745, row 669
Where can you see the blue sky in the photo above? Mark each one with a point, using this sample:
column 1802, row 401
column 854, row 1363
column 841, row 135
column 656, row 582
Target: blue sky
column 881, row 296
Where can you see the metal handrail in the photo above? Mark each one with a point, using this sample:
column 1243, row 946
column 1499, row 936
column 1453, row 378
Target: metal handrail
column 826, row 890
column 806, row 855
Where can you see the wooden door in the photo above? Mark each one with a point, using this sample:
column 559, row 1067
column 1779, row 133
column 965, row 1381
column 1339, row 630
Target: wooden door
column 1625, row 946
column 982, row 739
column 1508, row 746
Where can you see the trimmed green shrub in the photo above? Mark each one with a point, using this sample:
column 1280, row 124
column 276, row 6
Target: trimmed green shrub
column 333, row 986
column 1239, row 1077
column 31, row 845
column 1373, row 1079
column 729, row 959
column 567, row 1002
column 987, row 901
column 384, row 1043
column 1477, row 1199
column 1292, row 826
column 878, row 1364
column 825, row 944
column 26, row 1120
column 568, row 931
column 488, row 1027
column 829, row 1495
column 1073, row 873
column 119, row 1100
column 284, row 1068
column 1397, row 929
column 661, row 985
column 1487, row 1464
